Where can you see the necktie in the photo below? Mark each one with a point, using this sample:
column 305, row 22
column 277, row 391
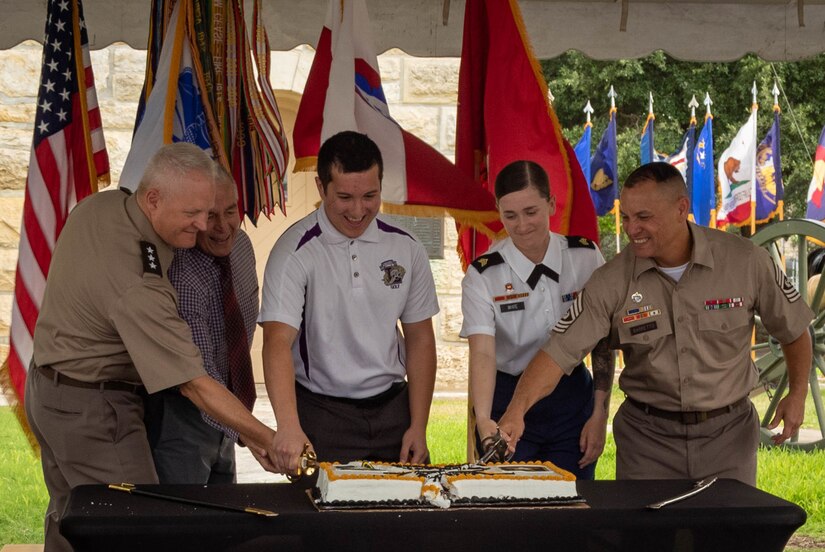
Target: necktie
column 241, row 381
column 537, row 273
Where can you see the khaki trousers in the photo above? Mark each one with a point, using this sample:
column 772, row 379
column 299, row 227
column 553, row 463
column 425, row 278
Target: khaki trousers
column 86, row 436
column 649, row 447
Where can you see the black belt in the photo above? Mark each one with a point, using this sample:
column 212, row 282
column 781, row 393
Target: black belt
column 369, row 402
column 62, row 379
column 687, row 418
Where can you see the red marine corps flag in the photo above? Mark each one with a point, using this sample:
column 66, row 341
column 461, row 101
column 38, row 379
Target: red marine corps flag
column 504, row 115
column 68, row 159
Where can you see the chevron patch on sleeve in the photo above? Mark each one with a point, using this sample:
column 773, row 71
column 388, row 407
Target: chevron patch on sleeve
column 570, row 316
column 791, row 294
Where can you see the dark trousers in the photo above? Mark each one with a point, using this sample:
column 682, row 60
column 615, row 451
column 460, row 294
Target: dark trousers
column 185, row 448
column 343, row 430
column 553, row 426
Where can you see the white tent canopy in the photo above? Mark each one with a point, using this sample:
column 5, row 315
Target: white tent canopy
column 698, row 30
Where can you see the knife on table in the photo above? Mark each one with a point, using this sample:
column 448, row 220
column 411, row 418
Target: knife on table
column 698, row 487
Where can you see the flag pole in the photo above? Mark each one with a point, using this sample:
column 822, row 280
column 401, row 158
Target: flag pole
column 708, row 102
column 693, row 104
column 754, row 109
column 780, row 204
column 613, row 111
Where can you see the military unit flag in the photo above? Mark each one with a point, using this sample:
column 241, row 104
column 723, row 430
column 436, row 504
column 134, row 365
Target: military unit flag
column 769, row 188
column 604, row 169
column 816, row 194
column 647, row 146
column 504, row 115
column 582, row 150
column 207, row 84
column 703, row 185
column 68, row 160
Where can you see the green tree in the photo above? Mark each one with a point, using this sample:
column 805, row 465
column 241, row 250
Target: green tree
column 574, row 79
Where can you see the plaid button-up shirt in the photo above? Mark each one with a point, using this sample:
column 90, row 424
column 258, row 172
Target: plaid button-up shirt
column 196, row 278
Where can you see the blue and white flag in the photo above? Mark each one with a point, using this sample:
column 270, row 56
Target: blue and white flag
column 703, row 190
column 164, row 121
column 582, row 150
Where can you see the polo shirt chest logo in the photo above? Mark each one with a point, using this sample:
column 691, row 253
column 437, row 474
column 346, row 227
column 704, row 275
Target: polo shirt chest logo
column 149, row 256
column 393, row 273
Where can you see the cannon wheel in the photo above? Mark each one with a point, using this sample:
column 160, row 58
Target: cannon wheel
column 781, row 240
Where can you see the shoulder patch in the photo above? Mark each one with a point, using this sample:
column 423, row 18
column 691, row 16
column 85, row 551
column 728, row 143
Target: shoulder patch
column 579, row 241
column 149, row 255
column 788, row 289
column 486, row 261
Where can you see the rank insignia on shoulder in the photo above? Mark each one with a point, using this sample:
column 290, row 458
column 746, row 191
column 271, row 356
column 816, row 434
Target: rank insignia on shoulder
column 486, row 261
column 579, row 241
column 149, row 255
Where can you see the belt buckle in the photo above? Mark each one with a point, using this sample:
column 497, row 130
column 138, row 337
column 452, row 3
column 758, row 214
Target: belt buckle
column 693, row 418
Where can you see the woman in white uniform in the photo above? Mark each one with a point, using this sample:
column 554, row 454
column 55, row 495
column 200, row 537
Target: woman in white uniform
column 512, row 297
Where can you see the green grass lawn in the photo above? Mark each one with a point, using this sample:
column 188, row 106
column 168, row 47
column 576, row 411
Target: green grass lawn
column 796, row 476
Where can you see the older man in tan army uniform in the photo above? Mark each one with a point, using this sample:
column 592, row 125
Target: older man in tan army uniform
column 109, row 328
column 680, row 304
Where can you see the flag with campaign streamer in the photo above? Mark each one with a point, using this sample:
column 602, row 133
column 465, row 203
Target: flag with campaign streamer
column 703, row 185
column 736, row 171
column 604, row 170
column 816, row 201
column 582, row 150
column 214, row 93
column 68, row 160
column 344, row 92
column 647, row 146
column 769, row 186
column 504, row 115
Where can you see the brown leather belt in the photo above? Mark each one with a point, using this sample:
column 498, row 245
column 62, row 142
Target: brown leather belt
column 687, row 418
column 62, row 379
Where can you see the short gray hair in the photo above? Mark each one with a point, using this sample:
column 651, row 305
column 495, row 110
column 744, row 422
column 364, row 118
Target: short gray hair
column 174, row 162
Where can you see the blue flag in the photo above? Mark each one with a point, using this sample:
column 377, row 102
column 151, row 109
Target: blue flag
column 648, row 148
column 703, row 189
column 582, row 150
column 163, row 121
column 604, row 170
column 769, row 188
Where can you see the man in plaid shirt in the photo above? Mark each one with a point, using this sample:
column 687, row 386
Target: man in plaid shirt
column 188, row 445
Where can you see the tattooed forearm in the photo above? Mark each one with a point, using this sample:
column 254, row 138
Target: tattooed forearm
column 604, row 366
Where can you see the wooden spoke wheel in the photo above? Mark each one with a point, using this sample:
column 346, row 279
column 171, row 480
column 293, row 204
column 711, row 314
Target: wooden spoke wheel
column 790, row 243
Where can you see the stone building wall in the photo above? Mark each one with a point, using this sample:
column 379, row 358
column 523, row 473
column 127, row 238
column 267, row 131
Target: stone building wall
column 422, row 97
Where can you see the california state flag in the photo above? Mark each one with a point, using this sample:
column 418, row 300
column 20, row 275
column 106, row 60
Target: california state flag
column 344, row 92
column 737, row 176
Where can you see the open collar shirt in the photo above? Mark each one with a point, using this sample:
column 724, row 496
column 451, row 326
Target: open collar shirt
column 686, row 344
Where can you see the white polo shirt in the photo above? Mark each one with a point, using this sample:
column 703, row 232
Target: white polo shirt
column 345, row 297
column 497, row 300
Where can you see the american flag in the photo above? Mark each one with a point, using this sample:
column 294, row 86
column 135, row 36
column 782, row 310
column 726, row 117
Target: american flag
column 68, row 158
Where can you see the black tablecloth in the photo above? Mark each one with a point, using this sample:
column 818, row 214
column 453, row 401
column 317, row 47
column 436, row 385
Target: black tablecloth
column 726, row 517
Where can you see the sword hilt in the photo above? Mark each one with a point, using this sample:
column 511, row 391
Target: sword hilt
column 307, row 464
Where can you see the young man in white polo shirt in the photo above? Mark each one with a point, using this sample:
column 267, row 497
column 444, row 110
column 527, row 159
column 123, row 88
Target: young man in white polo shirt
column 335, row 287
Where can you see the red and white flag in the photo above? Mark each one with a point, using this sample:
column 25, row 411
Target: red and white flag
column 68, row 159
column 736, row 171
column 344, row 92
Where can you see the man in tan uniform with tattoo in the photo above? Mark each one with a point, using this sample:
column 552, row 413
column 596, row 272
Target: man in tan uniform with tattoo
column 109, row 328
column 680, row 304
